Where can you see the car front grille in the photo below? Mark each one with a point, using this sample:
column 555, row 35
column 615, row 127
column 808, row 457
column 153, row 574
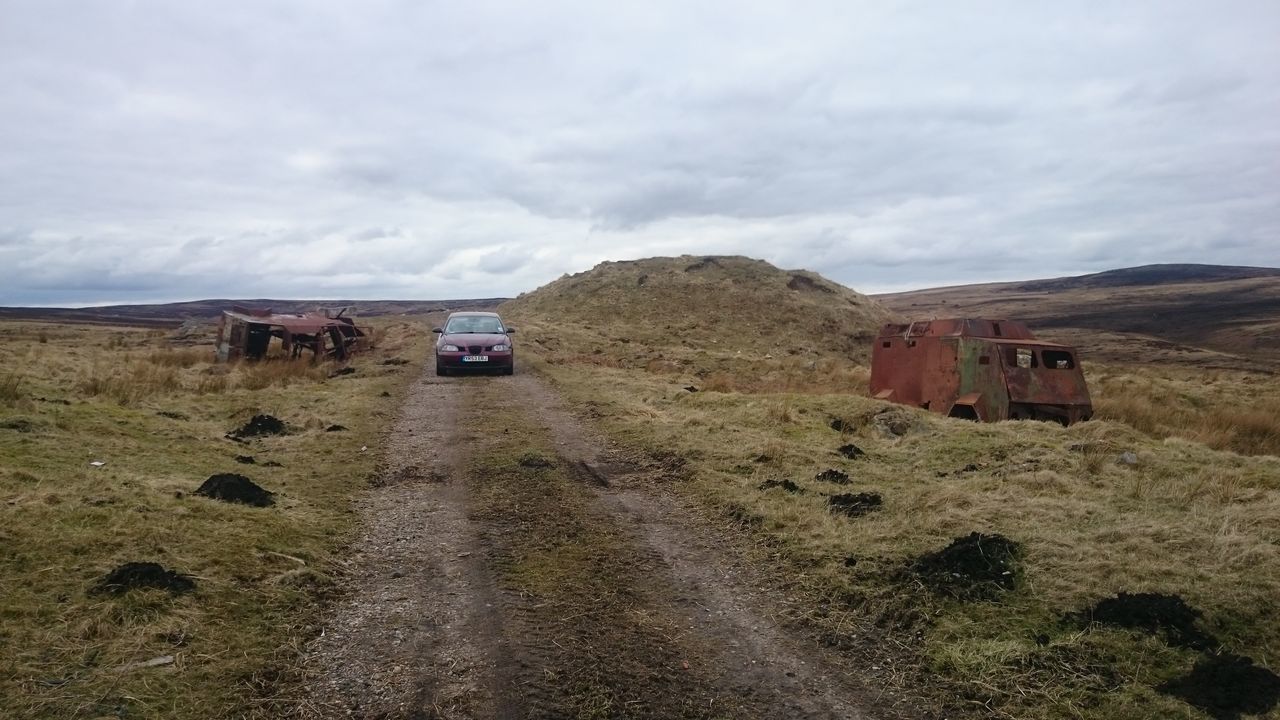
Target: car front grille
column 475, row 349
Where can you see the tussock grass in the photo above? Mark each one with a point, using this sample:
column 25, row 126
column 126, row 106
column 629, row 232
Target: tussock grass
column 281, row 372
column 180, row 357
column 159, row 426
column 1186, row 519
column 1226, row 410
column 10, row 389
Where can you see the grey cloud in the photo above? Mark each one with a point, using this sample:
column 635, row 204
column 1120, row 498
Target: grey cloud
column 410, row 148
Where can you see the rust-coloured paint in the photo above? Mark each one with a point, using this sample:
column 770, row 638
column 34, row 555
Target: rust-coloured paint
column 979, row 369
column 246, row 333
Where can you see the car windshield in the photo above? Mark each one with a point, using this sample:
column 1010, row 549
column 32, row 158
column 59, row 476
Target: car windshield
column 473, row 324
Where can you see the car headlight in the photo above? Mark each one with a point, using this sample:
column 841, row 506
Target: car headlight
column 448, row 348
column 501, row 347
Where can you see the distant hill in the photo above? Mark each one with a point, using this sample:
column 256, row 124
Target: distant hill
column 700, row 305
column 173, row 314
column 1151, row 275
column 1202, row 315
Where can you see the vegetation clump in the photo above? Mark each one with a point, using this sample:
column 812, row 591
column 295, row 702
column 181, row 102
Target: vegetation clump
column 535, row 461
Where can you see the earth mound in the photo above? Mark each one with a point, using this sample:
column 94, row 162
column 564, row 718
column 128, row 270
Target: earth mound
column 133, row 575
column 229, row 487
column 258, row 426
column 1227, row 687
column 833, row 476
column 1152, row 613
column 787, row 485
column 855, row 504
column 719, row 304
column 973, row 567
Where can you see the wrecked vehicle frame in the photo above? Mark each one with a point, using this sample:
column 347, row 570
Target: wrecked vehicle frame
column 247, row 333
column 986, row 370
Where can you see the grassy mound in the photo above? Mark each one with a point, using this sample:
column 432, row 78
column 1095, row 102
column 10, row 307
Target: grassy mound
column 727, row 323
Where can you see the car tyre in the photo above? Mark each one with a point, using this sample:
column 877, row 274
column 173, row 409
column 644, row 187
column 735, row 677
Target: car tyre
column 440, row 370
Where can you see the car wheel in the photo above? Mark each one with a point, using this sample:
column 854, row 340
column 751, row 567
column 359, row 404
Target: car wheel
column 440, row 370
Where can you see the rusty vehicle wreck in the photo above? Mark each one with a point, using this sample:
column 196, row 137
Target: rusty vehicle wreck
column 328, row 334
column 986, row 370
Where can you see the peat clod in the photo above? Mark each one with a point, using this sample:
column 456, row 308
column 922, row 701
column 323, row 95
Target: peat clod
column 258, row 426
column 854, row 504
column 229, row 487
column 336, row 428
column 1227, row 687
column 395, row 361
column 534, row 461
column 787, row 485
column 833, row 476
column 133, row 575
column 172, row 415
column 246, row 459
column 972, row 567
column 691, row 388
column 841, row 425
column 342, row 371
column 1152, row 613
column 850, row 451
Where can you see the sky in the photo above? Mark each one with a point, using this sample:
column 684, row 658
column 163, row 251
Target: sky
column 161, row 151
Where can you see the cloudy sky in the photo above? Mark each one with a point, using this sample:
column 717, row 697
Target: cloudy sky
column 178, row 150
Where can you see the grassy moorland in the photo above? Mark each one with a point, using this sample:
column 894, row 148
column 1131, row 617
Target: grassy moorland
column 1172, row 495
column 155, row 415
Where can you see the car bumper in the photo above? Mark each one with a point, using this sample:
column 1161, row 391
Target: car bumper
column 496, row 361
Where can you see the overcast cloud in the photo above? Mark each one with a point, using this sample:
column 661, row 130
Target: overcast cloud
column 165, row 150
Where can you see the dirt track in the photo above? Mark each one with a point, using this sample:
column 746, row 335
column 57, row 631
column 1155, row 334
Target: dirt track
column 509, row 567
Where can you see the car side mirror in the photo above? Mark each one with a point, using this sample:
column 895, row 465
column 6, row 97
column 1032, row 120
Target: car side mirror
column 437, row 330
column 511, row 331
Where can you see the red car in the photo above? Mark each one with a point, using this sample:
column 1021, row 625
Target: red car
column 474, row 341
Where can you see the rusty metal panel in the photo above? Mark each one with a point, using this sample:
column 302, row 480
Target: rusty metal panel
column 990, row 369
column 247, row 333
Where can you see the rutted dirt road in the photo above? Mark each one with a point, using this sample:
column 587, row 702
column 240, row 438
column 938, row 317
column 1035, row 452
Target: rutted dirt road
column 508, row 568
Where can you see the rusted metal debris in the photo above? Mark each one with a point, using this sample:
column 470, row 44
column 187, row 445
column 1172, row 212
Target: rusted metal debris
column 985, row 370
column 247, row 333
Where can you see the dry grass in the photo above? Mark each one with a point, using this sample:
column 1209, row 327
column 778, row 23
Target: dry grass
column 1185, row 519
column 10, row 389
column 1225, row 410
column 157, row 417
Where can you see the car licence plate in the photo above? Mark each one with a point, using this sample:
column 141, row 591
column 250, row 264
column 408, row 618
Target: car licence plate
column 475, row 358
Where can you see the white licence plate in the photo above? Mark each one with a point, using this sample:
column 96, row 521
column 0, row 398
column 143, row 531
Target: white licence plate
column 475, row 358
